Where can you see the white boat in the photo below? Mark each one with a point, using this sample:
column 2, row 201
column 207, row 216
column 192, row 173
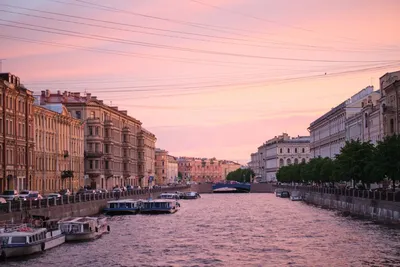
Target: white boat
column 191, row 195
column 278, row 192
column 21, row 240
column 169, row 196
column 123, row 206
column 296, row 196
column 83, row 228
column 159, row 206
column 54, row 236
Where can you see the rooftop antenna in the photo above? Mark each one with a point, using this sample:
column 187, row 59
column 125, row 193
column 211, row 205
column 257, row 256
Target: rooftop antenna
column 1, row 64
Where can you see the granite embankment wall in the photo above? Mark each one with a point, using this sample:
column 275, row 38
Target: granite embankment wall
column 77, row 206
column 254, row 188
column 377, row 206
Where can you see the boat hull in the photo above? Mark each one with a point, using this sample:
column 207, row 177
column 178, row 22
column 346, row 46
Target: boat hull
column 190, row 197
column 54, row 242
column 18, row 251
column 121, row 211
column 83, row 236
column 158, row 211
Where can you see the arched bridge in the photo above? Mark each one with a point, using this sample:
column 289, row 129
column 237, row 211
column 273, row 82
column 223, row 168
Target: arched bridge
column 239, row 187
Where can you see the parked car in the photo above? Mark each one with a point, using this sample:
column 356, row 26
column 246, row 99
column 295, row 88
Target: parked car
column 85, row 191
column 33, row 196
column 101, row 191
column 54, row 196
column 23, row 194
column 10, row 195
column 2, row 200
column 65, row 192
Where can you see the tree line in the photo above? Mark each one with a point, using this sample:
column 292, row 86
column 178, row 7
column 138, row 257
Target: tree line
column 358, row 161
column 241, row 175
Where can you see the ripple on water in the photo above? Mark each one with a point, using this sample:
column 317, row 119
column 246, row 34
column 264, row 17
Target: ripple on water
column 233, row 230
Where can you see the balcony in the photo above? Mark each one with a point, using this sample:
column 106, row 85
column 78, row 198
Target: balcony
column 388, row 109
column 93, row 172
column 108, row 173
column 108, row 124
column 93, row 154
column 94, row 138
column 126, row 130
column 67, row 174
column 93, row 121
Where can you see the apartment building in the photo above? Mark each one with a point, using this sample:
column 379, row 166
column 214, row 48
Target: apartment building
column 281, row 151
column 111, row 139
column 16, row 134
column 146, row 157
column 166, row 167
column 59, row 149
column 328, row 132
column 254, row 163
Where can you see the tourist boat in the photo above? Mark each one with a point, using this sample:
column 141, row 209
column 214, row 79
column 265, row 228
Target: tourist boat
column 159, row 206
column 225, row 190
column 296, row 196
column 191, row 195
column 22, row 240
column 278, row 192
column 83, row 228
column 169, row 196
column 123, row 206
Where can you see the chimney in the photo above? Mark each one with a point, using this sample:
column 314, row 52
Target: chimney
column 88, row 95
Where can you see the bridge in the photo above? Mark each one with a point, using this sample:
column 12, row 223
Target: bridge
column 237, row 187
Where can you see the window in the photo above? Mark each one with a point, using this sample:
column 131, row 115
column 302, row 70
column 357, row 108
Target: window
column 295, row 150
column 106, row 164
column 366, row 120
column 90, row 164
column 125, row 167
column 125, row 152
column 92, row 114
column 391, row 125
column 280, row 150
column 97, row 130
column 78, row 115
column 96, row 164
column 303, row 150
column 90, row 130
column 288, row 150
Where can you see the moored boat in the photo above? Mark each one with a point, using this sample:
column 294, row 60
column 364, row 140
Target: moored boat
column 123, row 206
column 284, row 194
column 83, row 228
column 159, row 206
column 278, row 192
column 191, row 195
column 169, row 196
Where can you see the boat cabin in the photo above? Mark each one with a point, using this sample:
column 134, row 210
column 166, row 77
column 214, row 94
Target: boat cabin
column 169, row 196
column 21, row 236
column 123, row 204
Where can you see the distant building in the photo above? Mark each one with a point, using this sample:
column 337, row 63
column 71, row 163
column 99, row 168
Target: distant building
column 254, row 163
column 328, row 133
column 166, row 167
column 205, row 169
column 59, row 147
column 16, row 134
column 281, row 151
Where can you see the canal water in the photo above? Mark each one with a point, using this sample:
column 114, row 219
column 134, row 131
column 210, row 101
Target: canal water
column 232, row 230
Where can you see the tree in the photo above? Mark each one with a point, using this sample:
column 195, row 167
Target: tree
column 180, row 176
column 355, row 161
column 387, row 158
column 241, row 175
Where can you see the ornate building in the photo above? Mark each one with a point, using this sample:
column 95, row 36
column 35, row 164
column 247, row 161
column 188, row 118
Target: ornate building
column 146, row 156
column 16, row 134
column 281, row 151
column 111, row 139
column 59, row 149
column 390, row 101
column 166, row 168
column 328, row 132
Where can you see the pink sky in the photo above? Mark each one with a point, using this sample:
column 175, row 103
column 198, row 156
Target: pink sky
column 233, row 89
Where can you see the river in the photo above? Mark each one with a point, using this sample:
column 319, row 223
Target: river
column 232, row 230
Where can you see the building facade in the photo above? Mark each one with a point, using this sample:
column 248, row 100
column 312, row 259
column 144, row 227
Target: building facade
column 166, row 167
column 16, row 134
column 172, row 170
column 59, row 149
column 254, row 163
column 328, row 133
column 111, row 137
column 281, row 151
column 390, row 102
column 367, row 125
column 204, row 169
column 146, row 157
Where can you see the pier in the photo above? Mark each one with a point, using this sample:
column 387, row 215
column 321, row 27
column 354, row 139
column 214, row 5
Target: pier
column 76, row 205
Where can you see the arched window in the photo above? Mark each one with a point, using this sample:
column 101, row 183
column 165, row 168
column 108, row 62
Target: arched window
column 296, row 161
column 288, row 161
column 303, row 160
column 281, row 163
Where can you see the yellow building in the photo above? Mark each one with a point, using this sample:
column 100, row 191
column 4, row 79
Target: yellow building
column 146, row 155
column 59, row 147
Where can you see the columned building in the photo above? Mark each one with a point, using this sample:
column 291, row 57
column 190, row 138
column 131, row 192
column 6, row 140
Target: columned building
column 59, row 149
column 146, row 157
column 110, row 134
column 16, row 134
column 328, row 133
column 281, row 151
column 390, row 92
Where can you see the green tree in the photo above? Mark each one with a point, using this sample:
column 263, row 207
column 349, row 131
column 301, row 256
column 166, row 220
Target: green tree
column 355, row 161
column 241, row 175
column 180, row 176
column 387, row 158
